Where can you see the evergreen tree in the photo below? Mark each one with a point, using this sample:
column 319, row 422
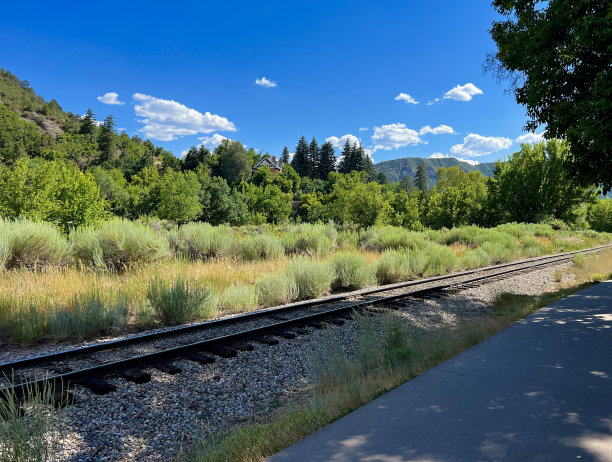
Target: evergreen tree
column 327, row 161
column 421, row 180
column 300, row 162
column 88, row 126
column 285, row 155
column 347, row 162
column 107, row 142
column 313, row 157
column 406, row 184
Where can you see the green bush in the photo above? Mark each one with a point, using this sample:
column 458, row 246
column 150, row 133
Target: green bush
column 312, row 278
column 497, row 251
column 351, row 271
column 275, row 289
column 379, row 238
column 579, row 260
column 239, row 297
column 312, row 240
column 179, row 302
column 88, row 317
column 202, row 241
column 31, row 244
column 117, row 244
column 393, row 266
column 600, row 215
column 440, row 260
column 258, row 247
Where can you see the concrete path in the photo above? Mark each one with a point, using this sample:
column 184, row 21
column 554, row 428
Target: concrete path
column 541, row 390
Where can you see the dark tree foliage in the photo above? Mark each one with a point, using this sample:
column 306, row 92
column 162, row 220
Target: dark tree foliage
column 285, row 155
column 234, row 161
column 558, row 55
column 421, row 180
column 327, row 161
column 301, row 162
column 88, row 123
column 406, row 183
column 107, row 141
column 349, row 160
column 195, row 157
column 313, row 157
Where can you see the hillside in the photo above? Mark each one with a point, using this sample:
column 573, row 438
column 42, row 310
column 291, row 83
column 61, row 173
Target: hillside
column 395, row 169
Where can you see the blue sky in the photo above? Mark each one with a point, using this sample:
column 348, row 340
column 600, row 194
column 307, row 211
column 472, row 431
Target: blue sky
column 185, row 73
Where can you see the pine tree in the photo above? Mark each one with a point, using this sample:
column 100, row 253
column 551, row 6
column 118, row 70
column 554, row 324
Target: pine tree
column 285, row 155
column 88, row 123
column 327, row 161
column 406, row 183
column 107, row 142
column 313, row 157
column 300, row 161
column 421, row 180
column 347, row 162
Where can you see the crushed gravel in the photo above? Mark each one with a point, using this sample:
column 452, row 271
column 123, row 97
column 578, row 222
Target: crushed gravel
column 157, row 420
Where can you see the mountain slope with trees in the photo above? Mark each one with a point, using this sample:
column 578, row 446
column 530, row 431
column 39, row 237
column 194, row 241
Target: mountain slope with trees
column 395, row 169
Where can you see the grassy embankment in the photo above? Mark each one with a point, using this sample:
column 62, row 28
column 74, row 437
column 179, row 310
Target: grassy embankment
column 125, row 276
column 386, row 356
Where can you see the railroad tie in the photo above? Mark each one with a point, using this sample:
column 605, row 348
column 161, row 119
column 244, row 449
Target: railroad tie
column 96, row 385
column 336, row 321
column 200, row 358
column 266, row 340
column 316, row 325
column 284, row 334
column 136, row 375
column 242, row 346
column 301, row 331
column 222, row 351
column 167, row 367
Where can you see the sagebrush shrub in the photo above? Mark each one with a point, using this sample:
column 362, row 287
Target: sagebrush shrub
column 202, row 241
column 351, row 271
column 239, row 297
column 313, row 278
column 275, row 289
column 258, row 247
column 31, row 244
column 180, row 302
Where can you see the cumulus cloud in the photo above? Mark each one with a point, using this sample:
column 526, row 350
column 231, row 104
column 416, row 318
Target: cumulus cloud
column 476, row 145
column 439, row 130
column 110, row 98
column 530, row 138
column 439, row 155
column 340, row 142
column 211, row 142
column 264, row 82
column 406, row 98
column 393, row 136
column 463, row 92
column 363, row 129
column 166, row 120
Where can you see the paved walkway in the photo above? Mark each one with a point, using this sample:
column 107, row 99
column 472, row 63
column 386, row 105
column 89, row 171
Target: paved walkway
column 541, row 390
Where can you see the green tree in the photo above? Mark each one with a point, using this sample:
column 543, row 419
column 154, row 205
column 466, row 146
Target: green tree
column 533, row 185
column 285, row 156
column 600, row 215
column 88, row 123
column 557, row 55
column 406, row 184
column 301, row 159
column 107, row 140
column 421, row 180
column 349, row 160
column 234, row 162
column 313, row 157
column 220, row 203
column 179, row 197
column 327, row 161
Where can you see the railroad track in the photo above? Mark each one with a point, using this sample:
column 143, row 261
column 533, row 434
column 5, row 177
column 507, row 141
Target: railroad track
column 62, row 370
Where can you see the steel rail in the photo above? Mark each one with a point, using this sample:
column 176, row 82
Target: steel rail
column 65, row 380
column 10, row 367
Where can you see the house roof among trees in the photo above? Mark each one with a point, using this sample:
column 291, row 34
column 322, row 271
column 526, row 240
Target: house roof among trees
column 271, row 162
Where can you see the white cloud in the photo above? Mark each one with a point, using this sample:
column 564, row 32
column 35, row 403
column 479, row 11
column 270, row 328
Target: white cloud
column 439, row 155
column 263, row 82
column 432, row 102
column 463, row 92
column 165, row 119
column 393, row 136
column 406, row 98
column 110, row 98
column 530, row 138
column 363, row 129
column 476, row 145
column 211, row 142
column 439, row 130
column 339, row 142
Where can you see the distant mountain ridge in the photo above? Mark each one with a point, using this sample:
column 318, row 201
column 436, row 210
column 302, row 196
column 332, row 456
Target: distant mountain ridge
column 395, row 169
